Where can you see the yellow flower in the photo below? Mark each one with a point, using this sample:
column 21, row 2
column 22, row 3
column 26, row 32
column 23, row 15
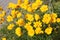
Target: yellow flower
column 28, row 26
column 44, row 8
column 19, row 15
column 2, row 20
column 48, row 30
column 58, row 19
column 9, row 18
column 37, row 17
column 29, row 17
column 13, row 13
column 11, row 5
column 26, row 2
column 39, row 2
column 46, row 18
column 18, row 31
column 31, row 33
column 23, row 6
column 34, row 6
column 53, row 17
column 38, row 30
column 10, row 26
column 20, row 22
column 2, row 14
column 3, row 38
column 19, row 2
column 37, row 24
column 29, row 9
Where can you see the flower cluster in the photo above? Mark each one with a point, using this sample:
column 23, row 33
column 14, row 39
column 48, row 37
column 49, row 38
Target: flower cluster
column 24, row 20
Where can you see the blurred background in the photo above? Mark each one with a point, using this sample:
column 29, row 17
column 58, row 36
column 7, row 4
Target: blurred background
column 4, row 3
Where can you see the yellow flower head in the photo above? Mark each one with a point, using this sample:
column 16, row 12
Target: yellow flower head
column 39, row 2
column 23, row 6
column 28, row 26
column 19, row 2
column 2, row 20
column 37, row 24
column 29, row 17
column 19, row 15
column 31, row 33
column 44, row 8
column 18, row 31
column 37, row 17
column 11, row 5
column 48, row 30
column 58, row 19
column 38, row 30
column 26, row 2
column 2, row 14
column 13, row 13
column 9, row 18
column 10, row 26
column 46, row 18
column 53, row 17
column 34, row 6
column 29, row 9
column 3, row 38
column 20, row 22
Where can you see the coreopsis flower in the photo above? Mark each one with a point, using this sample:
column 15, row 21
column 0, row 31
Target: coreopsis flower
column 31, row 32
column 4, row 38
column 20, row 22
column 10, row 26
column 9, row 18
column 2, row 20
column 13, row 13
column 29, row 17
column 58, row 19
column 12, row 5
column 26, row 2
column 48, row 30
column 44, row 8
column 53, row 17
column 29, row 9
column 18, row 31
column 38, row 30
column 39, row 2
column 34, row 6
column 28, row 26
column 19, row 2
column 37, row 24
column 19, row 15
column 37, row 17
column 46, row 18
column 2, row 14
column 23, row 6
